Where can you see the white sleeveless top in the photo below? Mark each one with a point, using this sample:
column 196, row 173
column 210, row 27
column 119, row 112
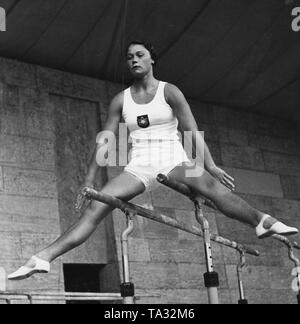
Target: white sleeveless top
column 155, row 126
column 163, row 124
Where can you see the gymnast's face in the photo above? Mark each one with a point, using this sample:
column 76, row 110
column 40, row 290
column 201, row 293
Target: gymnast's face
column 139, row 61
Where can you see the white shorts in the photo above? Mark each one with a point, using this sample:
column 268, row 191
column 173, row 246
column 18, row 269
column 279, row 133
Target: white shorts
column 160, row 162
column 149, row 174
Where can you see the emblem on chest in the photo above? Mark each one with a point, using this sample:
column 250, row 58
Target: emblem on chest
column 143, row 121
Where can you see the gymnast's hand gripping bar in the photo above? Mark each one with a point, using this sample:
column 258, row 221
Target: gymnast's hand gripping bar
column 88, row 193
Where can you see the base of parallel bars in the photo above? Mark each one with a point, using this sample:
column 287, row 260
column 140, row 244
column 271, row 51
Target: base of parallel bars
column 243, row 302
column 127, row 292
column 213, row 295
column 128, row 300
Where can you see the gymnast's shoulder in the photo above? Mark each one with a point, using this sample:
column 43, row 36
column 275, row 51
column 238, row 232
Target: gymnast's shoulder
column 116, row 103
column 173, row 94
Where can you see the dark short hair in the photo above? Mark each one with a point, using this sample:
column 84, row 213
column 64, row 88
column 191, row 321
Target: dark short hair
column 147, row 45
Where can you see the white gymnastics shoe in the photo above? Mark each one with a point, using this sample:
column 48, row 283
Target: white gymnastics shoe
column 24, row 272
column 269, row 226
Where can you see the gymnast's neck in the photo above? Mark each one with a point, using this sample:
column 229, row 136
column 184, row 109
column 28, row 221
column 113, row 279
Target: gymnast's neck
column 145, row 82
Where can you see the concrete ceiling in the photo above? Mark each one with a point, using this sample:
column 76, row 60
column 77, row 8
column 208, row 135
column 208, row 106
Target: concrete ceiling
column 234, row 53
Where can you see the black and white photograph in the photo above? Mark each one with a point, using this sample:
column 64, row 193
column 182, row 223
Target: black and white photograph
column 149, row 154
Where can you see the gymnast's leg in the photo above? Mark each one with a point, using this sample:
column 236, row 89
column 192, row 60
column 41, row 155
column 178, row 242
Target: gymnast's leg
column 125, row 186
column 229, row 203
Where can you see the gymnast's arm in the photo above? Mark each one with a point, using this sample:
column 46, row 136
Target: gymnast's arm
column 182, row 110
column 187, row 122
column 111, row 125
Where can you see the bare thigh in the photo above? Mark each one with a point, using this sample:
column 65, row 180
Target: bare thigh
column 201, row 183
column 124, row 186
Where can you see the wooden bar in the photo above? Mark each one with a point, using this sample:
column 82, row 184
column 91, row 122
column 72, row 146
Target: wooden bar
column 129, row 207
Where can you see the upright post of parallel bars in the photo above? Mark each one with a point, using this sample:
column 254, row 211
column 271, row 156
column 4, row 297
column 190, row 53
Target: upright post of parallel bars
column 211, row 277
column 240, row 266
column 127, row 287
column 291, row 246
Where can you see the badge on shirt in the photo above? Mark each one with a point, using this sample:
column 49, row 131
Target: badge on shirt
column 143, row 121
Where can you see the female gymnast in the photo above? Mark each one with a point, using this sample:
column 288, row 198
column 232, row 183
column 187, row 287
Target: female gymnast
column 156, row 110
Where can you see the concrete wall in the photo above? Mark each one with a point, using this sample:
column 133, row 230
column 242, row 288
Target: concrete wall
column 46, row 120
column 48, row 125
